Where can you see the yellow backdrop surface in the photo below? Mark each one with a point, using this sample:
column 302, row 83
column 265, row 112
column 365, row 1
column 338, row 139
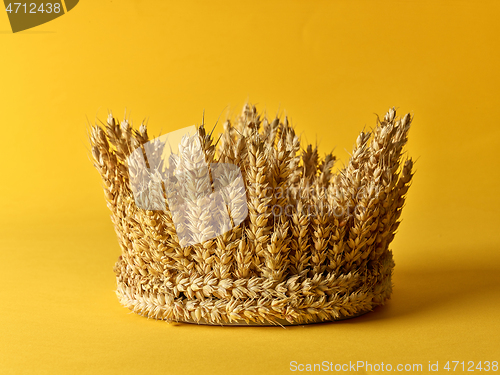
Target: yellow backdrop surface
column 330, row 66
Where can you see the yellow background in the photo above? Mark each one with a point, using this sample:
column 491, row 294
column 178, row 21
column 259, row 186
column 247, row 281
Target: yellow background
column 330, row 66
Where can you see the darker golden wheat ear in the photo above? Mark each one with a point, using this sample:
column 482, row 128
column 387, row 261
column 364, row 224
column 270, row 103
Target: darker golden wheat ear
column 313, row 247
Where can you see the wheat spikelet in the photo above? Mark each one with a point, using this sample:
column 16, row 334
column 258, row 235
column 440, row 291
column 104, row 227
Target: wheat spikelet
column 259, row 210
column 299, row 255
column 311, row 244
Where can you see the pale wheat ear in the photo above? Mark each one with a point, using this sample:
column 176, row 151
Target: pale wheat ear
column 313, row 247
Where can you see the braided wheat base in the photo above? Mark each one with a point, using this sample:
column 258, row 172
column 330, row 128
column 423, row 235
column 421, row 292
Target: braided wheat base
column 256, row 301
column 276, row 322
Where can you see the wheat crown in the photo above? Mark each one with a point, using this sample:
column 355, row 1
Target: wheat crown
column 251, row 228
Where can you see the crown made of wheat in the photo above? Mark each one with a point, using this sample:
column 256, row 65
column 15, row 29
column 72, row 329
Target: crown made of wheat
column 250, row 228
